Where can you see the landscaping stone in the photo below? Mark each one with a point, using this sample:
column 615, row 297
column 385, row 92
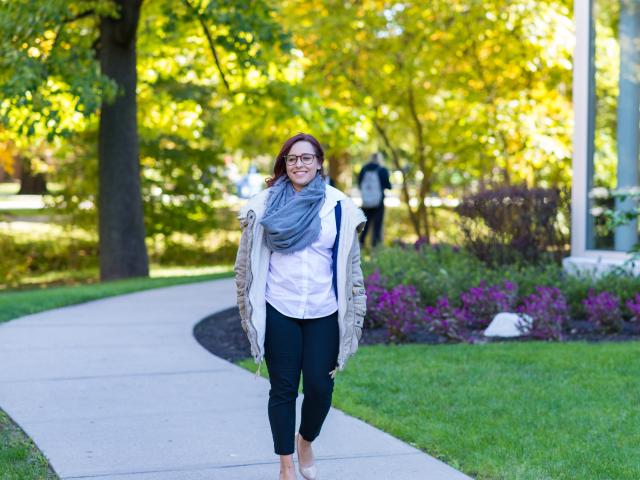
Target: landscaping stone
column 505, row 324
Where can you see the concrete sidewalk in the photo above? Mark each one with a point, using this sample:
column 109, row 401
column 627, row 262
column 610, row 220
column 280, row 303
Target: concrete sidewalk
column 119, row 389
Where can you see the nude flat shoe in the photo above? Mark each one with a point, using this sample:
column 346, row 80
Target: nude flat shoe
column 310, row 472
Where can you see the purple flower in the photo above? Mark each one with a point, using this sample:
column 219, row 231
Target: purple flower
column 633, row 304
column 400, row 309
column 445, row 320
column 603, row 310
column 549, row 313
column 420, row 242
column 481, row 303
column 374, row 286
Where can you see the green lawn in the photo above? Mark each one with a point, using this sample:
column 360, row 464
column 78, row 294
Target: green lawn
column 20, row 459
column 23, row 302
column 520, row 411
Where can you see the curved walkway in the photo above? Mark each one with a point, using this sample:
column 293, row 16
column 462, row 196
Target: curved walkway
column 119, row 389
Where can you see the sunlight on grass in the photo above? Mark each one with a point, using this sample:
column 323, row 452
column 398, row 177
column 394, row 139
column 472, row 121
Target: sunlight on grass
column 157, row 271
column 90, row 275
column 19, row 457
column 9, row 188
column 32, row 231
column 521, row 411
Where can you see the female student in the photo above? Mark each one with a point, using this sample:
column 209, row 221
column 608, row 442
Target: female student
column 300, row 293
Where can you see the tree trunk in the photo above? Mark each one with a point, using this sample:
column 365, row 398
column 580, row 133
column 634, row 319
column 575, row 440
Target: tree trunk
column 406, row 198
column 423, row 213
column 123, row 252
column 31, row 183
column 339, row 171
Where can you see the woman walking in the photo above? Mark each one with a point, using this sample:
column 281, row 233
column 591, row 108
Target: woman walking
column 300, row 293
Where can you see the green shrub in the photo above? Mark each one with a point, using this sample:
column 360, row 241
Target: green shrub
column 13, row 265
column 37, row 257
column 34, row 257
column 177, row 253
column 445, row 270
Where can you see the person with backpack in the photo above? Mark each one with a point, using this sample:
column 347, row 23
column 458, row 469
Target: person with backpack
column 373, row 180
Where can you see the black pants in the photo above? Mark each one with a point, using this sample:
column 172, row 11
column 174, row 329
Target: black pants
column 374, row 216
column 291, row 346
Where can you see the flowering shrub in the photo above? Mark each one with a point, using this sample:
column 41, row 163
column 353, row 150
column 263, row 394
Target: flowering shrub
column 633, row 304
column 436, row 247
column 549, row 313
column 396, row 242
column 481, row 303
column 603, row 310
column 463, row 294
column 401, row 311
column 446, row 320
column 420, row 242
column 374, row 287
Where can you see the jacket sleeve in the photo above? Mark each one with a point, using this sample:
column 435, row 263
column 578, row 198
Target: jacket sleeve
column 384, row 180
column 359, row 294
column 240, row 269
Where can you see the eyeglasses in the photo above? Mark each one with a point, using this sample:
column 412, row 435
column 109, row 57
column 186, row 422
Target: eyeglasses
column 307, row 158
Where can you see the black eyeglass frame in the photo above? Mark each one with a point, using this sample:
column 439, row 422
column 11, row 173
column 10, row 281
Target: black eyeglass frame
column 286, row 158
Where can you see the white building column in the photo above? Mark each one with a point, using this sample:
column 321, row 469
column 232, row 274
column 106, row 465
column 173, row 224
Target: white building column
column 626, row 236
column 583, row 255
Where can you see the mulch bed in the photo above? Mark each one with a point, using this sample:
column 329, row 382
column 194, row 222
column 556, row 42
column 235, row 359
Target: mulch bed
column 222, row 335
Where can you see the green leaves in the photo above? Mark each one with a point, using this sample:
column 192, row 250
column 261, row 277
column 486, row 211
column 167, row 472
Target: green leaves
column 49, row 67
column 453, row 91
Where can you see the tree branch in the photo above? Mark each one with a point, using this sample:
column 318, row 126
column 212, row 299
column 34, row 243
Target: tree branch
column 426, row 175
column 418, row 125
column 88, row 13
column 212, row 46
column 396, row 162
column 61, row 26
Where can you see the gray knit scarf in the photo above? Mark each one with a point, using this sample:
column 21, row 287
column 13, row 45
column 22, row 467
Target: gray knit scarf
column 291, row 221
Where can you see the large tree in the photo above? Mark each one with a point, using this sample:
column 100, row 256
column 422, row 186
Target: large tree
column 123, row 251
column 457, row 91
column 62, row 59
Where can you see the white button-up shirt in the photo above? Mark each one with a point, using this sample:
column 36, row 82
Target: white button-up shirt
column 300, row 284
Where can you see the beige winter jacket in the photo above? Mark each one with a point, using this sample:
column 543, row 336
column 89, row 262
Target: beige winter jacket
column 252, row 265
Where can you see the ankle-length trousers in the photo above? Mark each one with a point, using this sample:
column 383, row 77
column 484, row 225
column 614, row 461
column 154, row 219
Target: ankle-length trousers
column 294, row 346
